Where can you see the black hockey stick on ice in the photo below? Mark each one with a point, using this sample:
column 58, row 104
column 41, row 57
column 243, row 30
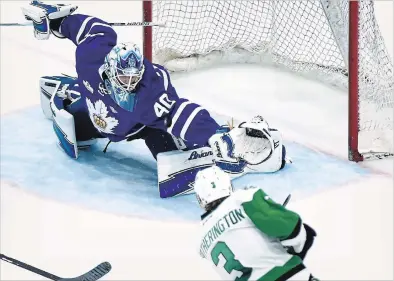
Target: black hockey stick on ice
column 286, row 200
column 92, row 275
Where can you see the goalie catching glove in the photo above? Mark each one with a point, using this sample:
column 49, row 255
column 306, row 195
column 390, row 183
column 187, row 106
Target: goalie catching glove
column 250, row 147
column 47, row 18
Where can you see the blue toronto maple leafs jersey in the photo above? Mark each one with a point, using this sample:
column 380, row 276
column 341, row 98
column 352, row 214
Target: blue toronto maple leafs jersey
column 157, row 103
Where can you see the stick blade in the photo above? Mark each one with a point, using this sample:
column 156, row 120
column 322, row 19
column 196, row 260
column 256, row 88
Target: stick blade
column 92, row 275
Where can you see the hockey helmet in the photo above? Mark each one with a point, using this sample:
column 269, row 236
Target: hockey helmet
column 212, row 184
column 123, row 68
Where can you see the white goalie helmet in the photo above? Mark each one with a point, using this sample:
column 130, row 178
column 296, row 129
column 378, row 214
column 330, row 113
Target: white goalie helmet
column 124, row 68
column 212, row 184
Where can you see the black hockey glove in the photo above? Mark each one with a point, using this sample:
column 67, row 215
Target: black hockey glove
column 295, row 249
column 310, row 237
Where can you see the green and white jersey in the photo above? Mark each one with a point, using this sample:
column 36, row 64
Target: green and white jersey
column 241, row 237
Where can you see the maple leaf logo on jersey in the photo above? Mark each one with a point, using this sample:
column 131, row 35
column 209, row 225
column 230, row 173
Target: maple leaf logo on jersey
column 98, row 113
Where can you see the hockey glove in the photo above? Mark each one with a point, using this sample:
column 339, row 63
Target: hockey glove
column 302, row 242
column 250, row 147
column 47, row 18
column 310, row 238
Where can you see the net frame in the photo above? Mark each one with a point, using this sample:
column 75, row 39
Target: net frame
column 350, row 49
column 353, row 104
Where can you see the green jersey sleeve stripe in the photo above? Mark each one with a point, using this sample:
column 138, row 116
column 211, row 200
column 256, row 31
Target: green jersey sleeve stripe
column 270, row 217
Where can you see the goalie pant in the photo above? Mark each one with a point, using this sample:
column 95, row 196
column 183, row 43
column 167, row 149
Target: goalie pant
column 248, row 237
column 157, row 104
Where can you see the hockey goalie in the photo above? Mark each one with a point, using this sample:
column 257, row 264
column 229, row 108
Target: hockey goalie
column 119, row 95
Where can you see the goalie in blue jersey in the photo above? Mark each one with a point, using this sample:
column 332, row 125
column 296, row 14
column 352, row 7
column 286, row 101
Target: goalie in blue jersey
column 120, row 95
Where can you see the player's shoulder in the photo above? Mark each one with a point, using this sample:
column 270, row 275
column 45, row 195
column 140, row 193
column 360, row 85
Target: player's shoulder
column 156, row 65
column 153, row 76
column 237, row 199
column 157, row 70
column 245, row 194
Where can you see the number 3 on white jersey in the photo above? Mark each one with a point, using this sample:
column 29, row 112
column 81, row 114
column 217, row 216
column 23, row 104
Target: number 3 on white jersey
column 224, row 258
column 163, row 106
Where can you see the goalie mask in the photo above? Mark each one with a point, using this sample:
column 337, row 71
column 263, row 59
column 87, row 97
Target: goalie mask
column 123, row 68
column 212, row 184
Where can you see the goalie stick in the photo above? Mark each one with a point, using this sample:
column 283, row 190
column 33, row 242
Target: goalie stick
column 92, row 275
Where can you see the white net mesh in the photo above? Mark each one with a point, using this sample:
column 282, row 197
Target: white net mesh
column 306, row 37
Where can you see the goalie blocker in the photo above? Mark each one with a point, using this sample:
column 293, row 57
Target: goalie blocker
column 60, row 102
column 177, row 169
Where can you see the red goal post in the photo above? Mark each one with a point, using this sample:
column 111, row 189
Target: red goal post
column 336, row 42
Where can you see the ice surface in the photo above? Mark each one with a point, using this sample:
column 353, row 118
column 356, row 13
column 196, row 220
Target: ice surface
column 124, row 179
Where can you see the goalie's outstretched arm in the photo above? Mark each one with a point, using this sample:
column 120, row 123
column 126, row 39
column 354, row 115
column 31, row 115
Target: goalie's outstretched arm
column 93, row 37
column 178, row 116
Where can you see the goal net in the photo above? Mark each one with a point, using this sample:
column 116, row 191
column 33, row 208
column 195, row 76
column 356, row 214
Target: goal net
column 334, row 41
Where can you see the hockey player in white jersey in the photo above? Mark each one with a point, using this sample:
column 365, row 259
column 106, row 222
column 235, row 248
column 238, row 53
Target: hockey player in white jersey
column 246, row 235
